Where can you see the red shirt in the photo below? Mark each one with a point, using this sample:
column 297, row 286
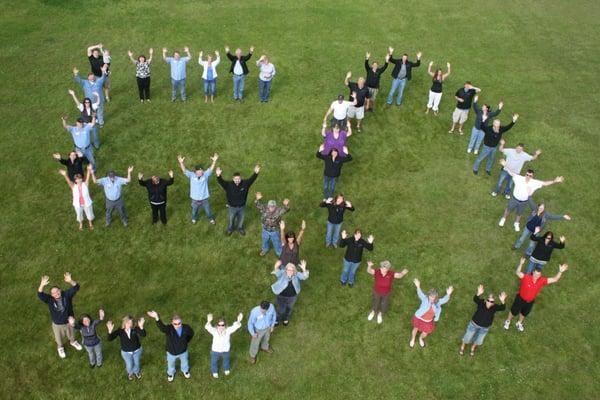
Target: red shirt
column 383, row 284
column 529, row 290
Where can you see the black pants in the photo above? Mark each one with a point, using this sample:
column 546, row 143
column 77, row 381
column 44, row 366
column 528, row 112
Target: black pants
column 159, row 209
column 144, row 88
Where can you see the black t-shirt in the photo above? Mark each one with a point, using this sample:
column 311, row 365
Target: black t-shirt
column 289, row 291
column 96, row 64
column 436, row 86
column 361, row 94
column 484, row 317
column 467, row 96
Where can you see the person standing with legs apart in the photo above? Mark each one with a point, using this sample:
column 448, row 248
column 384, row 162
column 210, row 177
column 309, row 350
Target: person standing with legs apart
column 178, row 72
column 142, row 74
column 536, row 223
column 333, row 163
column 493, row 135
column 82, row 202
column 428, row 313
column 178, row 335
column 384, row 278
column 530, row 287
column 221, row 343
column 355, row 245
column 199, row 187
column 93, row 84
column 270, row 216
column 81, row 134
column 113, row 187
column 464, row 98
column 359, row 93
column 435, row 93
column 236, row 191
column 482, row 114
column 401, row 74
column 157, row 195
column 60, row 305
column 374, row 73
column 88, row 109
column 261, row 324
column 335, row 210
column 287, row 288
column 266, row 72
column 290, row 252
column 482, row 320
column 131, row 347
column 542, row 252
column 339, row 109
column 515, row 158
column 209, row 75
column 89, row 336
column 74, row 163
column 239, row 69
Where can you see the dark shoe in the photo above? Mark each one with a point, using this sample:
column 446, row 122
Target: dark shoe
column 252, row 360
column 92, row 365
column 98, row 365
column 343, row 283
column 276, row 323
column 351, row 285
column 269, row 350
column 242, row 232
column 138, row 375
column 489, row 173
column 228, row 233
column 474, row 172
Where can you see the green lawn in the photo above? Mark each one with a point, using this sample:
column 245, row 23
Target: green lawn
column 410, row 183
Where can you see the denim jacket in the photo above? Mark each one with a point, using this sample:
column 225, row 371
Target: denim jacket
column 282, row 280
column 425, row 305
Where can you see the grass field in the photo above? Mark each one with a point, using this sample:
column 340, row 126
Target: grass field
column 410, row 183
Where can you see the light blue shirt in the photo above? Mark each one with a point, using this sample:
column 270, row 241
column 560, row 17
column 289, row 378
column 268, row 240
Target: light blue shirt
column 260, row 321
column 112, row 190
column 283, row 280
column 81, row 136
column 425, row 305
column 199, row 184
column 89, row 88
column 178, row 67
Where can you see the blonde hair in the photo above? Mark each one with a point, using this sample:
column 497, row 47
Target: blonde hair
column 125, row 319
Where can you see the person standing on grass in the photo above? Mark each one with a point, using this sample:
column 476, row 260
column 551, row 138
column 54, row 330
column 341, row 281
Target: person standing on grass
column 221, row 343
column 428, row 313
column 435, row 93
column 332, row 168
column 530, row 287
column 239, row 69
column 89, row 336
column 355, row 245
column 374, row 72
column 335, row 138
column 113, row 187
column 261, row 324
column 131, row 347
column 199, row 187
column 482, row 320
column 270, row 217
column 266, row 72
column 359, row 93
column 464, row 98
column 290, row 252
column 178, row 335
column 515, row 158
column 339, row 109
column 384, row 278
column 401, row 74
column 107, row 59
column 287, row 288
column 93, row 84
column 524, row 187
column 82, row 202
column 335, row 209
column 209, row 75
column 542, row 252
column 481, row 116
column 535, row 224
column 98, row 57
column 88, row 109
column 236, row 192
column 157, row 195
column 178, row 74
column 74, row 163
column 142, row 74
column 81, row 134
column 60, row 305
column 493, row 135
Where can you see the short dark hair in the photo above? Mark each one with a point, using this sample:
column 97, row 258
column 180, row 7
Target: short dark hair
column 82, row 316
column 467, row 82
column 520, row 145
column 530, row 171
column 538, row 269
column 265, row 305
column 80, row 120
column 237, row 174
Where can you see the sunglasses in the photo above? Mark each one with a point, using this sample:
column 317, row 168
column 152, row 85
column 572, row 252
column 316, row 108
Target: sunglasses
column 490, row 301
column 176, row 323
column 221, row 325
column 529, row 175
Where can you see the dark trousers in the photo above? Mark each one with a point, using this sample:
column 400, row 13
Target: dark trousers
column 159, row 209
column 380, row 302
column 144, row 88
column 284, row 307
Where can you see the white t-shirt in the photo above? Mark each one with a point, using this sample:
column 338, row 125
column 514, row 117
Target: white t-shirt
column 523, row 189
column 515, row 161
column 221, row 341
column 340, row 110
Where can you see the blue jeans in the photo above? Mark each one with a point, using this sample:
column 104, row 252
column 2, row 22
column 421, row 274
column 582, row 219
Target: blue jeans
column 183, row 359
column 477, row 136
column 100, row 111
column 333, row 233
column 532, row 265
column 264, row 87
column 180, row 84
column 509, row 182
column 95, row 137
column 397, row 84
column 349, row 271
column 273, row 236
column 196, row 204
column 328, row 186
column 524, row 235
column 214, row 361
column 488, row 152
column 132, row 361
column 233, row 213
column 89, row 154
column 210, row 87
column 475, row 334
column 238, row 86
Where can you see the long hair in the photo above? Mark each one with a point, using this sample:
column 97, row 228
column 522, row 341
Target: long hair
column 84, row 111
column 125, row 319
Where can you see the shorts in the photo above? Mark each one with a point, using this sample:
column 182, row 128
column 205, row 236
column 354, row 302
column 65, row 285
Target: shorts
column 373, row 93
column 520, row 306
column 475, row 334
column 514, row 204
column 356, row 112
column 460, row 116
column 425, row 327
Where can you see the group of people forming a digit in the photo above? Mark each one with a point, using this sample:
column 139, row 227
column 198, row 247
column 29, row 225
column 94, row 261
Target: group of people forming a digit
column 290, row 269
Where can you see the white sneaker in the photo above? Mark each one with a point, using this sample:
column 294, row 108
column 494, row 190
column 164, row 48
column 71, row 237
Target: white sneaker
column 61, row 352
column 502, row 221
column 507, row 324
column 170, row 378
column 468, row 151
column 77, row 346
column 494, row 194
column 187, row 375
column 193, row 221
column 227, row 372
column 507, row 196
column 379, row 318
column 520, row 326
column 215, row 375
column 371, row 315
column 475, row 152
column 517, row 227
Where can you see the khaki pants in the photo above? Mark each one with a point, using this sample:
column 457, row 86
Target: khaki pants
column 61, row 331
column 261, row 341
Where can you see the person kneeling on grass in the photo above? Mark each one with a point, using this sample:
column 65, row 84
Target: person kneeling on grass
column 287, row 288
column 384, row 278
column 355, row 245
column 221, row 343
column 82, row 202
column 482, row 320
column 131, row 347
column 89, row 336
column 428, row 314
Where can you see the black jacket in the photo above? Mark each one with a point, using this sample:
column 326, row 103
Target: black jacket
column 398, row 65
column 543, row 251
column 492, row 138
column 128, row 344
column 355, row 248
column 75, row 167
column 333, row 169
column 243, row 60
column 336, row 212
column 237, row 194
column 157, row 194
column 176, row 344
column 61, row 309
column 373, row 77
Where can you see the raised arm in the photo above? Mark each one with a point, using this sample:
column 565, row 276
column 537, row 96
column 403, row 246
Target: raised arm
column 429, row 71
column 444, row 76
column 63, row 172
column 327, row 114
column 130, row 54
column 370, row 269
column 347, row 79
column 558, row 179
column 282, row 232
column 561, row 268
column 214, row 159
column 89, row 172
column 401, row 274
column 510, row 172
column 91, row 48
column 301, row 233
column 75, row 99
column 164, row 53
column 129, row 171
column 520, row 267
column 181, row 161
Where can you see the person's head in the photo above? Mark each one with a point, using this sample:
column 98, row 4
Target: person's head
column 290, row 237
column 106, row 53
column 127, row 322
column 209, row 59
column 529, row 174
column 176, row 55
column 96, row 52
column 238, row 52
column 490, row 301
column 55, row 292
column 485, row 108
column 438, row 74
column 87, row 103
column 519, row 148
column 72, row 155
column 237, row 178
column 79, row 122
column 340, row 98
column 290, row 270
column 537, row 273
column 111, row 175
column 404, row 58
column 199, row 170
column 357, row 234
column 496, row 125
column 221, row 324
column 271, row 205
column 85, row 319
column 374, row 66
column 339, row 199
column 468, row 85
column 541, row 208
column 385, row 266
column 176, row 321
column 548, row 236
column 264, row 306
column 78, row 178
column 336, row 128
column 432, row 295
column 155, row 179
column 361, row 82
column 142, row 58
column 334, row 153
column 91, row 77
column 266, row 60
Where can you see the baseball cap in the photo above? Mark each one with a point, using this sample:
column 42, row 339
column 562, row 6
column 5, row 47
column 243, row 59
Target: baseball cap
column 199, row 167
column 272, row 203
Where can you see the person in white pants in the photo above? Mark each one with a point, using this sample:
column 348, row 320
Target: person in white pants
column 435, row 93
column 82, row 202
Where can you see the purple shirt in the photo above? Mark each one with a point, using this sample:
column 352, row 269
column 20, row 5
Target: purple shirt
column 333, row 143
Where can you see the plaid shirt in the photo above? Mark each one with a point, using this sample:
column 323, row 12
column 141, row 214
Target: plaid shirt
column 270, row 220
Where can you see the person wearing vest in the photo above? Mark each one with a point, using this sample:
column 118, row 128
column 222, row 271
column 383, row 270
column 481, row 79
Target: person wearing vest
column 239, row 70
column 401, row 74
column 82, row 202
